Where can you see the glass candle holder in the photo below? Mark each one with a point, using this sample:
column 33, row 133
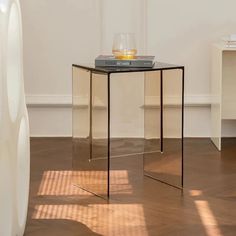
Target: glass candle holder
column 124, row 46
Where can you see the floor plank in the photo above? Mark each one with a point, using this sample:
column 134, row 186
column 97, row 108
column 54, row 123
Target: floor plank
column 144, row 207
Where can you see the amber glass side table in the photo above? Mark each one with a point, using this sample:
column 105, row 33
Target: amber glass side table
column 94, row 150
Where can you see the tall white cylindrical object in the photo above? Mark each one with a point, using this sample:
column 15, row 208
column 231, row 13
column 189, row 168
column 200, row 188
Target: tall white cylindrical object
column 14, row 128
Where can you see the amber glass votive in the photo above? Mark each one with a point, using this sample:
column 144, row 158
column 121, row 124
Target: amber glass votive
column 124, row 46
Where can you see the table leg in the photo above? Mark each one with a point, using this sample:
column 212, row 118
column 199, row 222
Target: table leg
column 183, row 74
column 161, row 112
column 108, row 133
column 91, row 116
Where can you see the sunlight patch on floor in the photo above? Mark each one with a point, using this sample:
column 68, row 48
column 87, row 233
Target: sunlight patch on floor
column 195, row 193
column 105, row 219
column 207, row 217
column 59, row 183
column 62, row 183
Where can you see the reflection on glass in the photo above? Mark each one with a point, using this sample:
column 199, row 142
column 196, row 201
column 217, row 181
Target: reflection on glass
column 90, row 131
column 165, row 166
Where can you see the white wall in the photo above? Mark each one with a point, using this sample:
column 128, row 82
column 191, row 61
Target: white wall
column 58, row 33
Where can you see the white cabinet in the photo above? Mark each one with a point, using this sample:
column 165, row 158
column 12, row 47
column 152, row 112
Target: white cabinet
column 223, row 89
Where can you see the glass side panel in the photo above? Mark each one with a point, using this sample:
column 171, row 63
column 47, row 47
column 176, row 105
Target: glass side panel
column 152, row 113
column 90, row 162
column 126, row 162
column 165, row 166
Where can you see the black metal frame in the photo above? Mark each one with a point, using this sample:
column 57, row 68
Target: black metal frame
column 108, row 72
column 183, row 75
column 108, row 130
column 91, row 115
column 161, row 112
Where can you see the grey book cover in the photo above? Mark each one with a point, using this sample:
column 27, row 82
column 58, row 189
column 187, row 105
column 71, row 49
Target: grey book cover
column 138, row 61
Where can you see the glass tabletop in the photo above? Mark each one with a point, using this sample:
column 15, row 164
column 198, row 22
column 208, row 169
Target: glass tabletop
column 109, row 70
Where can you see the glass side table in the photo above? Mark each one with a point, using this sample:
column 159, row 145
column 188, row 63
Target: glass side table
column 98, row 157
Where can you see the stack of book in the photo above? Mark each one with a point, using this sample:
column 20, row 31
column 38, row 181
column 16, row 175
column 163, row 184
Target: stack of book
column 137, row 62
column 230, row 41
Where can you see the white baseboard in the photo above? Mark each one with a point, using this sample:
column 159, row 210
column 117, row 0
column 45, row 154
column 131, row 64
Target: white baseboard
column 50, row 136
column 44, row 100
column 49, row 100
column 51, row 116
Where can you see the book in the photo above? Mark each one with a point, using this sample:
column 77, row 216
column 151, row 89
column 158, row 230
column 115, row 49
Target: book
column 230, row 40
column 137, row 62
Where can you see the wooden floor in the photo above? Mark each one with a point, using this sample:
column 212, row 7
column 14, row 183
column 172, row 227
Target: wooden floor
column 206, row 207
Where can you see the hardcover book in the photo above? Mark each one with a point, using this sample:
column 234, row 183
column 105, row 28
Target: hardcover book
column 138, row 61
